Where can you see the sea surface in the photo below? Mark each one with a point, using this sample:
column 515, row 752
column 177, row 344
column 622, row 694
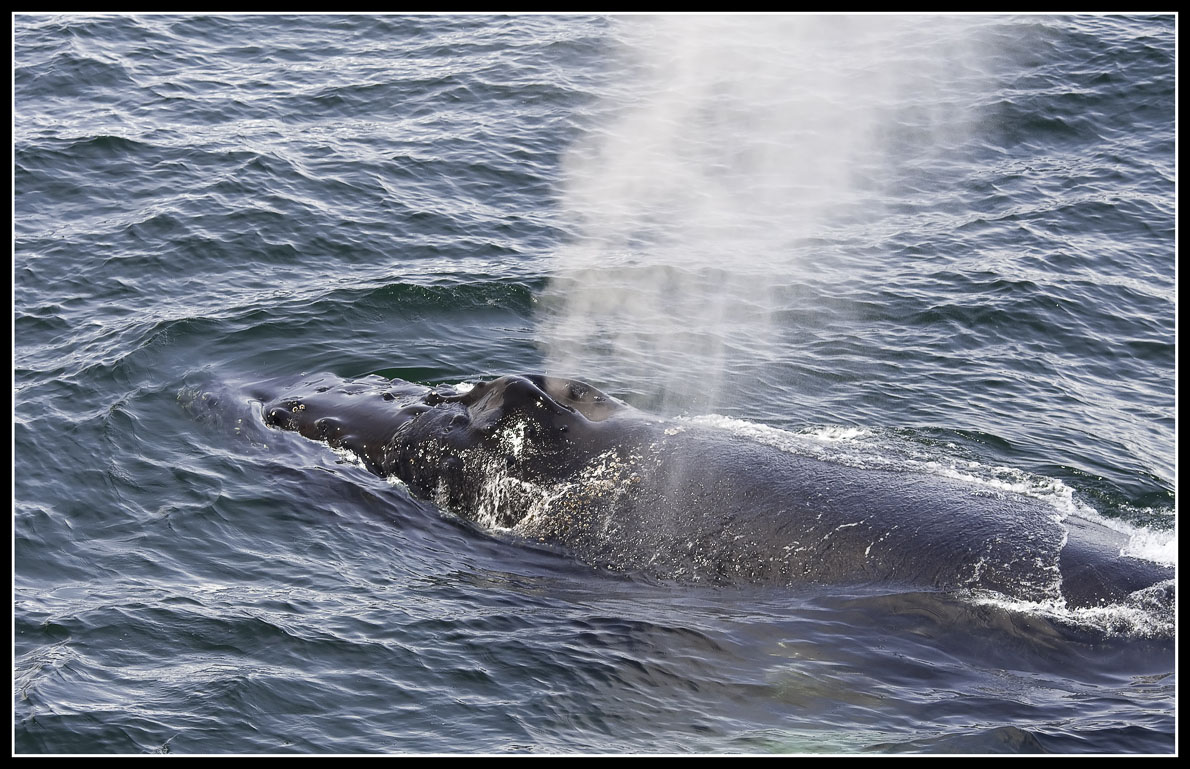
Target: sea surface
column 934, row 244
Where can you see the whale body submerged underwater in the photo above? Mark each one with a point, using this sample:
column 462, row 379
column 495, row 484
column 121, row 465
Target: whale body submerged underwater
column 557, row 461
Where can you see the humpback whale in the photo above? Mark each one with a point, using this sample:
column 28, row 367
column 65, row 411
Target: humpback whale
column 557, row 461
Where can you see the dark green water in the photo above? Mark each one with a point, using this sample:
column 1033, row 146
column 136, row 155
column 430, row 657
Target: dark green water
column 936, row 245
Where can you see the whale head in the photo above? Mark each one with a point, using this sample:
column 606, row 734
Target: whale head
column 445, row 442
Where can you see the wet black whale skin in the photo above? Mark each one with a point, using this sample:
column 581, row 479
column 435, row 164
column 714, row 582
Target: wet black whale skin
column 624, row 490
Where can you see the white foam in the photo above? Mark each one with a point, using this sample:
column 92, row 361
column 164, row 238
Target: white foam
column 1149, row 544
column 512, row 438
column 1135, row 616
column 346, row 456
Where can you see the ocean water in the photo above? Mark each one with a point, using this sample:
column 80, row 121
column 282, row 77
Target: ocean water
column 934, row 244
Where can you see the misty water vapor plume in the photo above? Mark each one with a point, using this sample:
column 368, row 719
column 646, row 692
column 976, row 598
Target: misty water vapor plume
column 735, row 154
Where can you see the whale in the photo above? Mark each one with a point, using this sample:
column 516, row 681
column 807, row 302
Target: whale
column 553, row 460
